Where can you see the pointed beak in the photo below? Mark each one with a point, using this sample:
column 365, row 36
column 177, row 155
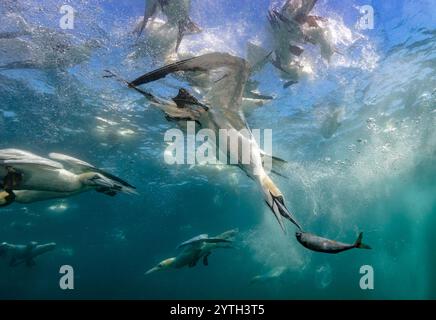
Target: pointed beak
column 103, row 182
column 151, row 270
column 283, row 211
column 129, row 191
column 278, row 216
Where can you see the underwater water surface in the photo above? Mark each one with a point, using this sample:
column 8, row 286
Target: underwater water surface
column 368, row 167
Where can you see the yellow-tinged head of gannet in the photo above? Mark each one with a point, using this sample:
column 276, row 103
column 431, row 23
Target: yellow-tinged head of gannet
column 163, row 265
column 95, row 179
column 274, row 199
column 6, row 198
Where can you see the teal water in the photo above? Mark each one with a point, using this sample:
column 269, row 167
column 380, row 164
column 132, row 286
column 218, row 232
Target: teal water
column 375, row 172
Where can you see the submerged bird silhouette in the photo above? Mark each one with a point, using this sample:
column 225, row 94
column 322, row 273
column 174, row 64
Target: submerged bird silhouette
column 192, row 250
column 291, row 27
column 293, row 24
column 38, row 47
column 20, row 254
column 177, row 14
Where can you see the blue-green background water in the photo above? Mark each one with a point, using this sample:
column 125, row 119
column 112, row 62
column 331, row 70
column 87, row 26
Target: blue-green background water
column 376, row 174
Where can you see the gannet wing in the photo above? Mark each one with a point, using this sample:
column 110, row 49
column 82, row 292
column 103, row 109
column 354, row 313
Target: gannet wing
column 16, row 157
column 27, row 165
column 16, row 153
column 196, row 239
column 74, row 163
column 226, row 73
column 24, row 170
column 216, row 240
column 79, row 166
column 201, row 239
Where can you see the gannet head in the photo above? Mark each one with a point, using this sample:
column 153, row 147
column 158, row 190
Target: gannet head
column 163, row 265
column 6, row 197
column 95, row 180
column 274, row 199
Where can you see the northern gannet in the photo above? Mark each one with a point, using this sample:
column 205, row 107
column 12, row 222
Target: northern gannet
column 27, row 177
column 199, row 247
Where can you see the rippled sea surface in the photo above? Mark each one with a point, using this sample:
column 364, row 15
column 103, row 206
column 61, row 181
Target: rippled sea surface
column 358, row 134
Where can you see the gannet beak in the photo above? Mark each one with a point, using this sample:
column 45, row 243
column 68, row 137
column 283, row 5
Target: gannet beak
column 151, row 270
column 103, row 182
column 129, row 190
column 276, row 211
column 279, row 208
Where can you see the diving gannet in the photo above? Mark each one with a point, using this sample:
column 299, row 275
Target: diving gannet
column 177, row 14
column 221, row 110
column 199, row 247
column 60, row 175
column 20, row 254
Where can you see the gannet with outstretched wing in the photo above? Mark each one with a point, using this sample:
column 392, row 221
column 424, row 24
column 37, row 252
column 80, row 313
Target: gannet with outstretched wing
column 221, row 110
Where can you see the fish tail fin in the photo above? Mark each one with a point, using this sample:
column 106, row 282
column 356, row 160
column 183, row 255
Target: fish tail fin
column 359, row 244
